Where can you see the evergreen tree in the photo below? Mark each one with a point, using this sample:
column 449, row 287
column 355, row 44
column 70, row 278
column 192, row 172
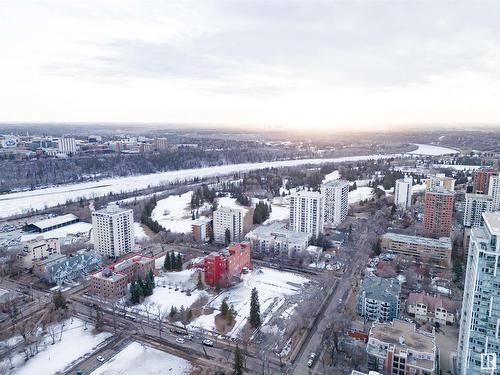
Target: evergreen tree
column 199, row 284
column 59, row 300
column 134, row 296
column 231, row 314
column 99, row 320
column 179, row 262
column 167, row 264
column 224, row 308
column 193, row 215
column 228, row 236
column 139, row 290
column 238, row 361
column 189, row 315
column 255, row 320
column 173, row 311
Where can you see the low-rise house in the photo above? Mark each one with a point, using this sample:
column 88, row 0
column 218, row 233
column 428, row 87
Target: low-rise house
column 378, row 298
column 433, row 309
column 399, row 348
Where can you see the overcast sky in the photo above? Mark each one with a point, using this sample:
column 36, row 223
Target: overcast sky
column 285, row 64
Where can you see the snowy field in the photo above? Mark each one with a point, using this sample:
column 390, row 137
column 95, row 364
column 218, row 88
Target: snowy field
column 458, row 167
column 138, row 359
column 75, row 343
column 273, row 286
column 335, row 175
column 22, row 202
column 430, row 150
column 361, row 193
column 166, row 296
column 139, row 233
column 174, row 212
column 80, row 228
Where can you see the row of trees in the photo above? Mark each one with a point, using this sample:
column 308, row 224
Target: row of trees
column 261, row 212
column 172, row 262
column 146, row 216
column 140, row 289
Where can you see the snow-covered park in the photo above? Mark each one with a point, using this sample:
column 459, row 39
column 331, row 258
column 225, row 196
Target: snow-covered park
column 138, row 359
column 75, row 341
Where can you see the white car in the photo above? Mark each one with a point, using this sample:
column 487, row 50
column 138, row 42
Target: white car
column 100, row 358
column 208, row 342
column 180, row 340
column 312, row 357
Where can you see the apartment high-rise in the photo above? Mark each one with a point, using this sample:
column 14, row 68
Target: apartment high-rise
column 475, row 205
column 335, row 201
column 480, row 320
column 228, row 218
column 67, row 144
column 306, row 212
column 438, row 212
column 440, row 180
column 402, row 192
column 113, row 230
column 482, row 179
column 494, row 191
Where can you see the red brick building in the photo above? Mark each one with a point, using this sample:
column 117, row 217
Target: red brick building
column 438, row 212
column 221, row 268
column 482, row 179
column 112, row 281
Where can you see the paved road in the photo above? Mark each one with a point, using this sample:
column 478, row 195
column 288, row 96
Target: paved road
column 359, row 259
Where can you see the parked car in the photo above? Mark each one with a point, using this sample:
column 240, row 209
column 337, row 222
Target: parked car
column 100, row 358
column 208, row 342
column 188, row 337
column 180, row 340
column 310, row 362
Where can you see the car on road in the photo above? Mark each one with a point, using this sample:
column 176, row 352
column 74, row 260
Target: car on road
column 188, row 337
column 310, row 362
column 180, row 340
column 100, row 358
column 207, row 342
column 340, row 300
column 80, row 372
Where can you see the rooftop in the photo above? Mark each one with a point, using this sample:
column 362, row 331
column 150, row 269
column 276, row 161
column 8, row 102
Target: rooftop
column 492, row 221
column 432, row 302
column 381, row 289
column 439, row 190
column 336, row 183
column 442, row 242
column 108, row 274
column 307, row 194
column 403, row 336
column 202, row 220
column 58, row 220
column 112, row 208
column 277, row 230
column 478, row 196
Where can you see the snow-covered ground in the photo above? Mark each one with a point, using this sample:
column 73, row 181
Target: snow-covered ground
column 80, row 228
column 361, row 193
column 165, row 294
column 431, row 150
column 22, row 202
column 75, row 343
column 139, row 232
column 138, row 359
column 273, row 286
column 174, row 213
column 231, row 203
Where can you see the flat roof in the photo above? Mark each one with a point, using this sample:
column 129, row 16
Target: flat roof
column 440, row 190
column 492, row 221
column 58, row 220
column 276, row 230
column 202, row 220
column 112, row 208
column 478, row 196
column 442, row 242
column 307, row 194
column 336, row 183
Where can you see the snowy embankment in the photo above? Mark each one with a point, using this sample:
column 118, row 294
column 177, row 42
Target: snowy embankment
column 273, row 286
column 76, row 341
column 23, row 202
column 139, row 359
column 139, row 233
